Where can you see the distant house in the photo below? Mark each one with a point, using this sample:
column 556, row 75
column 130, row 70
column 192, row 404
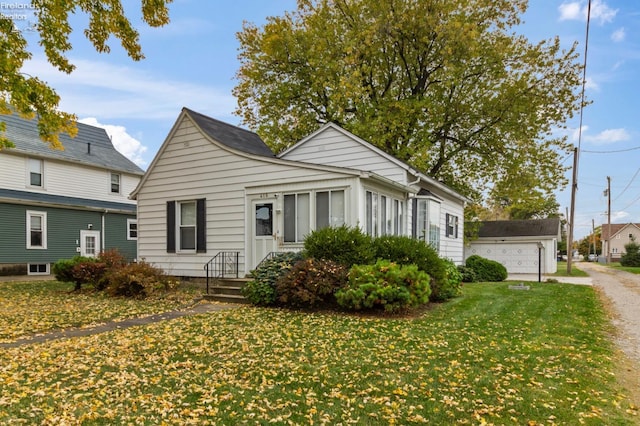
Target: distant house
column 518, row 244
column 55, row 204
column 616, row 236
column 214, row 188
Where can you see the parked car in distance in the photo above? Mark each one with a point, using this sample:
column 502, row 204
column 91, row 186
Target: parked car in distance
column 593, row 257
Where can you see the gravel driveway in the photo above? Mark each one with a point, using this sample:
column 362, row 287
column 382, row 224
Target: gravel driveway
column 623, row 291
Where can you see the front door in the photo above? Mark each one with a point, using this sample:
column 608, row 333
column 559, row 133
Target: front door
column 263, row 231
column 89, row 243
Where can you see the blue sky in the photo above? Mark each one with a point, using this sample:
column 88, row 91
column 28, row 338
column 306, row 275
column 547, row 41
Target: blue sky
column 192, row 62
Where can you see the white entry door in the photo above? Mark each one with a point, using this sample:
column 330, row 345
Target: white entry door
column 89, row 243
column 263, row 231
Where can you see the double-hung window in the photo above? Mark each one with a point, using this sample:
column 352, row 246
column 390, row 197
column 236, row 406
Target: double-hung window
column 36, row 172
column 452, row 226
column 132, row 229
column 115, row 183
column 36, row 230
column 186, row 226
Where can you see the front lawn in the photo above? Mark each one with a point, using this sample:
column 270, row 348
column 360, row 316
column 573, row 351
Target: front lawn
column 27, row 308
column 575, row 272
column 494, row 355
column 632, row 269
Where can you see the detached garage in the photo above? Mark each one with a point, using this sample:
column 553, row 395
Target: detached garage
column 518, row 244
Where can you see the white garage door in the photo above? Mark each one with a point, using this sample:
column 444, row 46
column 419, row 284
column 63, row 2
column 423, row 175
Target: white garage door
column 518, row 258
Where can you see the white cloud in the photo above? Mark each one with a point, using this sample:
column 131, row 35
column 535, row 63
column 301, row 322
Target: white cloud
column 618, row 216
column 577, row 10
column 609, row 136
column 100, row 89
column 126, row 144
column 618, row 35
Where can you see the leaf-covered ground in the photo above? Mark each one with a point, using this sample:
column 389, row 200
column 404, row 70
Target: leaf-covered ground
column 28, row 308
column 492, row 356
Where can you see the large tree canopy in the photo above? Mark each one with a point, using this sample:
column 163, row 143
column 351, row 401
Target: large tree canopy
column 447, row 86
column 28, row 95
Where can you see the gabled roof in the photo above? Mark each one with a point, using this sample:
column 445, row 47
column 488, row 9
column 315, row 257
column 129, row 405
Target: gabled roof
column 229, row 135
column 91, row 146
column 615, row 229
column 25, row 197
column 427, row 179
column 520, row 228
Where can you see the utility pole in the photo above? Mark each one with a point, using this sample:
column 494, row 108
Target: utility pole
column 609, row 219
column 593, row 237
column 574, row 187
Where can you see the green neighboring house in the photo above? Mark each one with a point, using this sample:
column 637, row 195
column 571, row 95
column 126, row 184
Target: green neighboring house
column 55, row 204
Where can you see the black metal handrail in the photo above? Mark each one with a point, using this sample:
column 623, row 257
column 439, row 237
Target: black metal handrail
column 222, row 265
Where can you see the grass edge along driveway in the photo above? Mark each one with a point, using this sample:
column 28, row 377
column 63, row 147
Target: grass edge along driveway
column 492, row 356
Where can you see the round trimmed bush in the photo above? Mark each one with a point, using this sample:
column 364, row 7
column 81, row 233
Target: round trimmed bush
column 262, row 289
column 345, row 245
column 487, row 269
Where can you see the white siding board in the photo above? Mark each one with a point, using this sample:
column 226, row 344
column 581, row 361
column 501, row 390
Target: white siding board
column 86, row 181
column 334, row 148
column 205, row 170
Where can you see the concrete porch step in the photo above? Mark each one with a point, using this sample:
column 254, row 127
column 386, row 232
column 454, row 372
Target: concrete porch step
column 227, row 290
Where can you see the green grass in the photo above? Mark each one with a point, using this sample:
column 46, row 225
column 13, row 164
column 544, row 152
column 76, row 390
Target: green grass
column 575, row 272
column 493, row 355
column 33, row 307
column 632, row 269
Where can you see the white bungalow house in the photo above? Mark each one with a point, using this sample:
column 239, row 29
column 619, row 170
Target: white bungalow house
column 522, row 246
column 214, row 188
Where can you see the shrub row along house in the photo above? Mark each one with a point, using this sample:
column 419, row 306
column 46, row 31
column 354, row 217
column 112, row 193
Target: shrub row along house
column 55, row 204
column 214, row 190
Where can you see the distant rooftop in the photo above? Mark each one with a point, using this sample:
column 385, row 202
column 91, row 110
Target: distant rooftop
column 91, row 146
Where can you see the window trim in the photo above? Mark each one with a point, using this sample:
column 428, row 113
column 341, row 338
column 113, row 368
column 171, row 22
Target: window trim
column 43, row 221
column 111, row 191
column 452, row 226
column 180, row 226
column 129, row 223
column 46, row 272
column 173, row 223
column 298, row 236
column 41, row 163
column 427, row 237
column 383, row 214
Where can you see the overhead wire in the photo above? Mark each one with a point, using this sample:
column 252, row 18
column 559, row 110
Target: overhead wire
column 628, row 185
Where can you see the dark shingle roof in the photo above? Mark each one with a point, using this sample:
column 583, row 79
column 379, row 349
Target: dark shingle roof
column 231, row 136
column 35, row 197
column 24, row 134
column 519, row 228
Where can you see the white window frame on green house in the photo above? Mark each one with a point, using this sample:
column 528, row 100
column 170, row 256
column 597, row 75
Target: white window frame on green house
column 132, row 229
column 39, row 269
column 35, row 169
column 42, row 229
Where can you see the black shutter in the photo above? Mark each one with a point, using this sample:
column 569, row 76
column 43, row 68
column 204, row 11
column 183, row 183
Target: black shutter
column 414, row 218
column 456, row 220
column 201, row 225
column 171, row 226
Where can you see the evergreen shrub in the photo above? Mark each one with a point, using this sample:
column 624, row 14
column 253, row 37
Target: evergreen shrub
column 486, row 269
column 262, row 289
column 345, row 245
column 384, row 285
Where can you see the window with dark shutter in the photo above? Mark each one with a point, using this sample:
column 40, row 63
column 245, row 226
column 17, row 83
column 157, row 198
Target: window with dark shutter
column 201, row 225
column 171, row 226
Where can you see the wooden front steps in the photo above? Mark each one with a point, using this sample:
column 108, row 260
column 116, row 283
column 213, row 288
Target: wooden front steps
column 227, row 290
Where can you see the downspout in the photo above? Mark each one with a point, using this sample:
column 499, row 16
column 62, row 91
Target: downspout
column 102, row 215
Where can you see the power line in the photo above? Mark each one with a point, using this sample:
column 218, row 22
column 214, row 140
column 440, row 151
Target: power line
column 612, row 152
column 628, row 185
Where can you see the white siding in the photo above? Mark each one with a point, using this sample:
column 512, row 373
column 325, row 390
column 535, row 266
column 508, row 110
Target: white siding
column 65, row 179
column 333, row 148
column 188, row 167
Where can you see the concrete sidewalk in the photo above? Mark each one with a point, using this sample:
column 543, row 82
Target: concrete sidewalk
column 534, row 278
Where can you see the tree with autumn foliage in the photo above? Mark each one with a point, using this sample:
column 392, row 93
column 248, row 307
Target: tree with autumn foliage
column 447, row 87
column 28, row 95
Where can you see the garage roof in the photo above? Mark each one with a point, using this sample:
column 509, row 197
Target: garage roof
column 520, row 228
